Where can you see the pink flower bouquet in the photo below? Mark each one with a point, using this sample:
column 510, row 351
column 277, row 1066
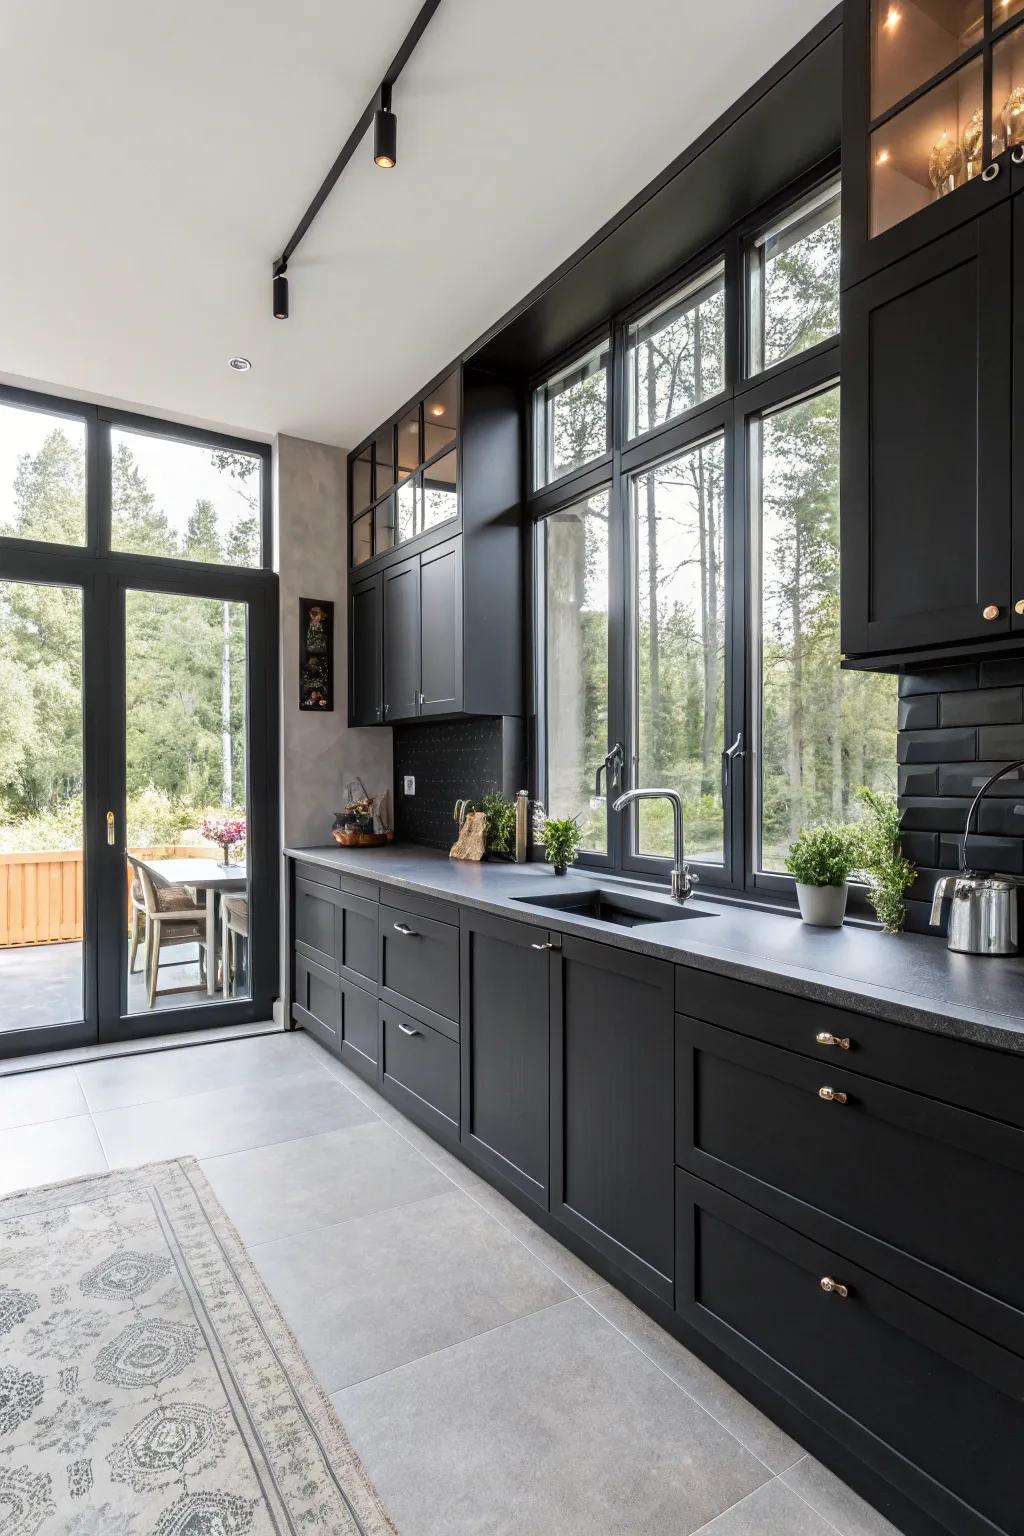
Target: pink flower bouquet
column 225, row 831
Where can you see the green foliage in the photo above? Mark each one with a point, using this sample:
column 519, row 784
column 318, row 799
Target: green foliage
column 560, row 837
column 501, row 823
column 889, row 873
column 824, row 855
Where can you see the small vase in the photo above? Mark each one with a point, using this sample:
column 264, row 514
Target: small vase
column 225, row 862
column 823, row 906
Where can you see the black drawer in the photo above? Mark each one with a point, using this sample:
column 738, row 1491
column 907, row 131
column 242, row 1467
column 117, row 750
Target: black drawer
column 355, row 939
column 316, row 1004
column 420, row 1071
column 318, row 872
column 926, row 1186
column 314, row 922
column 973, row 1076
column 435, row 907
column 419, row 967
column 944, row 1405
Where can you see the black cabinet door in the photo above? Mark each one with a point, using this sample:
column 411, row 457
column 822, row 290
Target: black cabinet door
column 1017, row 592
column 926, row 433
column 401, row 608
column 441, row 629
column 505, row 1044
column 365, row 684
column 612, row 1054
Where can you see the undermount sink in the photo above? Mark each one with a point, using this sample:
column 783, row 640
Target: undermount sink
column 618, row 911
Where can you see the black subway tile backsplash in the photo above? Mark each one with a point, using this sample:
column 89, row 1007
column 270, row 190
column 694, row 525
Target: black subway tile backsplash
column 958, row 725
column 982, row 706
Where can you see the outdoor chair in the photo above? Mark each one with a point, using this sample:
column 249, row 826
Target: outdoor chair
column 171, row 918
column 234, row 912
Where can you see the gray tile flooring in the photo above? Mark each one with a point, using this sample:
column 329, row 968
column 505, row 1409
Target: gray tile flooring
column 41, row 984
column 493, row 1383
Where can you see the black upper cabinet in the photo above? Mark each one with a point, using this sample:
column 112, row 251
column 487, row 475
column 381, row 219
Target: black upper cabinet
column 926, row 439
column 400, row 610
column 1017, row 592
column 366, row 683
column 612, row 1115
column 436, row 621
column 505, row 1044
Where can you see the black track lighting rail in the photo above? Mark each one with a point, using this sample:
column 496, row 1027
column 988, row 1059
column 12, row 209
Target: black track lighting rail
column 381, row 96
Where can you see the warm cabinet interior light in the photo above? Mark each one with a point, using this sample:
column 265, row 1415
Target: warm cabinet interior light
column 882, row 157
column 385, row 132
column 437, row 410
column 893, row 17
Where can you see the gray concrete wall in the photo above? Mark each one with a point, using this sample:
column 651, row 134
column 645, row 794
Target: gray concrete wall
column 319, row 752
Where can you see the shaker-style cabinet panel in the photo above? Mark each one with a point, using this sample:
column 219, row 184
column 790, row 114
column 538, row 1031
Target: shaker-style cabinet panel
column 441, row 629
column 612, row 1106
column 926, row 445
column 366, row 683
column 401, row 642
column 505, row 1043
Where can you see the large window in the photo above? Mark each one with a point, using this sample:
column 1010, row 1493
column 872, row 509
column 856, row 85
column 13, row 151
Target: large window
column 570, row 417
column 688, row 609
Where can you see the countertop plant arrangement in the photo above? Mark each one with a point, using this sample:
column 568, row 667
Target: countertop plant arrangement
column 889, row 873
column 823, row 858
column 560, row 837
column 821, row 861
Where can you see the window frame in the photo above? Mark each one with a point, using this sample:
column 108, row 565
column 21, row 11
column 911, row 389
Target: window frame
column 600, row 341
column 698, row 276
column 731, row 412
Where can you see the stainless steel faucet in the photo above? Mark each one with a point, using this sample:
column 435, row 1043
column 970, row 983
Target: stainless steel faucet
column 683, row 881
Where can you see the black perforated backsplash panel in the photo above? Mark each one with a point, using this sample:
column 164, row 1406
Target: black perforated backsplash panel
column 452, row 760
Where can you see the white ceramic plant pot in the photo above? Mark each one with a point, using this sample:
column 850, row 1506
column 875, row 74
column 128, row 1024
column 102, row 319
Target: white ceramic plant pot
column 823, row 905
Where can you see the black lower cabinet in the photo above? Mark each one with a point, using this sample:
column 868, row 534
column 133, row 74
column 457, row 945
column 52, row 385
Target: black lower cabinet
column 419, row 1072
column 612, row 1106
column 341, row 1015
column 918, row 1398
column 505, row 1042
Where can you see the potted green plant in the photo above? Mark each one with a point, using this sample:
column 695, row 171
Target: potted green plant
column 560, row 837
column 881, row 857
column 501, row 824
column 821, row 860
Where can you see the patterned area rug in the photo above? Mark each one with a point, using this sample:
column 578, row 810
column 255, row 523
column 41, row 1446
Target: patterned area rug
column 148, row 1383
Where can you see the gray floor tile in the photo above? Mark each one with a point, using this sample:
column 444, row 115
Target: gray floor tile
column 773, row 1510
column 37, row 1096
column 161, row 1075
column 378, row 1291
column 835, row 1502
column 43, row 1154
column 274, row 1192
column 579, row 1276
column 553, row 1425
column 769, row 1443
column 229, row 1119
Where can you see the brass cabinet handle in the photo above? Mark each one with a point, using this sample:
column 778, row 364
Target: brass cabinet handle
column 832, row 1095
column 991, row 171
column 834, row 1287
column 1018, row 606
column 111, row 836
column 991, row 611
column 824, row 1037
column 1018, row 155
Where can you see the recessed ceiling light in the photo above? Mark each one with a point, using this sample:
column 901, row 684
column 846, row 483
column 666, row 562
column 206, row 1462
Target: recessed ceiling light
column 239, row 364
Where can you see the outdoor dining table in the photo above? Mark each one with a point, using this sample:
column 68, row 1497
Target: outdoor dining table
column 209, row 877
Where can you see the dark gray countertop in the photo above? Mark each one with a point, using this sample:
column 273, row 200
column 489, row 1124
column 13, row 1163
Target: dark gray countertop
column 909, row 979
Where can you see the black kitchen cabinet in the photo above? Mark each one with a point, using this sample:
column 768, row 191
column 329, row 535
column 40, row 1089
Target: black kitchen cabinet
column 926, row 444
column 612, row 1053
column 400, row 611
column 1017, row 587
column 505, row 1044
column 419, row 1071
column 442, row 634
column 366, row 682
column 441, row 630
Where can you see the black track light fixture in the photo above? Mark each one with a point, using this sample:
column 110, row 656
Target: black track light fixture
column 281, row 292
column 385, row 132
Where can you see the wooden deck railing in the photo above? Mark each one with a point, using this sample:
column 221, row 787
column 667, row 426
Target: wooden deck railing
column 41, row 893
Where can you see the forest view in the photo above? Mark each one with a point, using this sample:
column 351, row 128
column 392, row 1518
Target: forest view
column 823, row 731
column 185, row 656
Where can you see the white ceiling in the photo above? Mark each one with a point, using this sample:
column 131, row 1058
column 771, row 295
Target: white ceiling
column 157, row 157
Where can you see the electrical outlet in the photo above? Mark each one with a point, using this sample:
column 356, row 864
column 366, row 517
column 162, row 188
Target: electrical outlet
column 409, row 784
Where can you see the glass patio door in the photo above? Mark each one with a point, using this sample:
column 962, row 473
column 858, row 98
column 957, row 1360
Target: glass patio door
column 47, row 931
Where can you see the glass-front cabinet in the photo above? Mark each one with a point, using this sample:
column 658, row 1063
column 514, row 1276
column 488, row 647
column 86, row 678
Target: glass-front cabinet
column 404, row 481
column 935, row 113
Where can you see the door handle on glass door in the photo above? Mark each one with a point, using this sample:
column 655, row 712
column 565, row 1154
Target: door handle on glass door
column 111, row 837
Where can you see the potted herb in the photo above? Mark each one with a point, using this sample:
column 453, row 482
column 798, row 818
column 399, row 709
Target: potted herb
column 560, row 837
column 501, row 824
column 889, row 873
column 821, row 860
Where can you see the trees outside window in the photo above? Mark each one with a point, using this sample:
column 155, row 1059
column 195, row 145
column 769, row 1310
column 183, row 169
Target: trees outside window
column 570, row 418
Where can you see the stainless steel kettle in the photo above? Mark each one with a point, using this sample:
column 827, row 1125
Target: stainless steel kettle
column 983, row 914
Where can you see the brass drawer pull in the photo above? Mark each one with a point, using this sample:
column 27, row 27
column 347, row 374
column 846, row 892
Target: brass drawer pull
column 832, row 1095
column 834, row 1287
column 825, row 1038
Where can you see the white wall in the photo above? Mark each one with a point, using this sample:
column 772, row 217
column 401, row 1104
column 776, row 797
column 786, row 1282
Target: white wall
column 319, row 752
